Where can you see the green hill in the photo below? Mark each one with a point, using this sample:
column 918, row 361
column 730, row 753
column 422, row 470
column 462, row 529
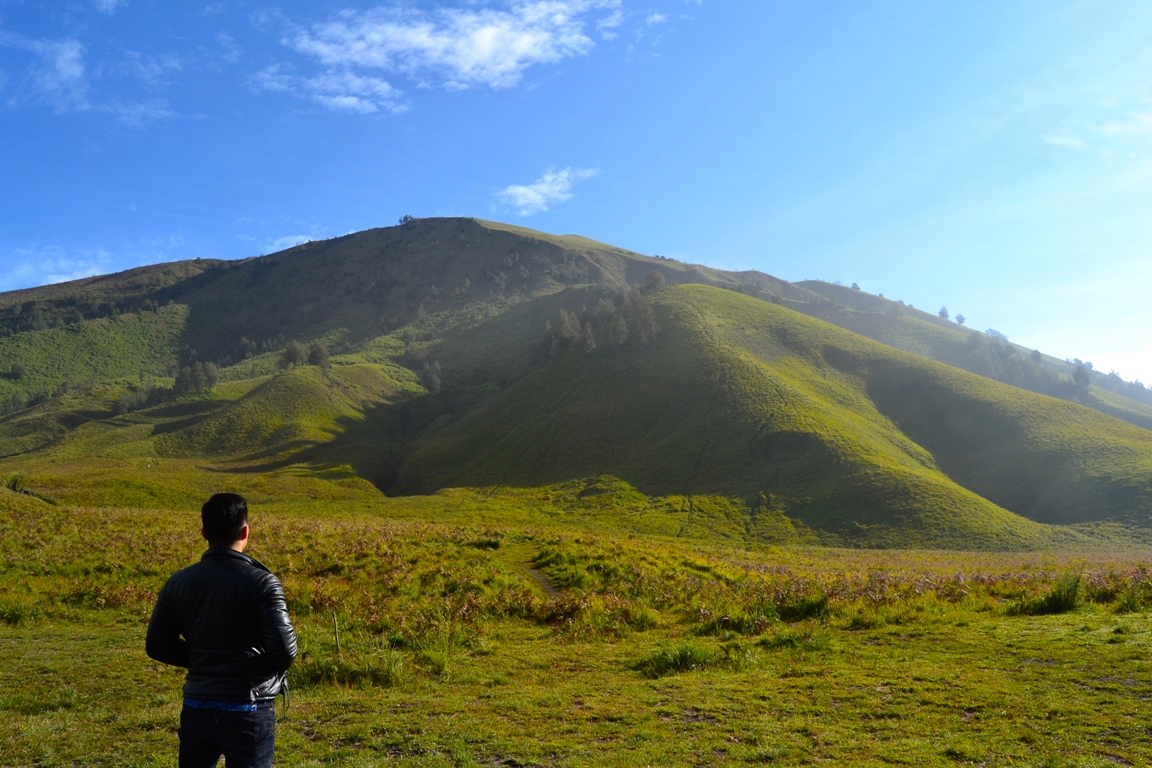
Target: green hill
column 901, row 326
column 558, row 373
column 739, row 397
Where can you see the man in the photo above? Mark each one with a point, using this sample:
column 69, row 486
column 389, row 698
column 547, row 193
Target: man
column 226, row 621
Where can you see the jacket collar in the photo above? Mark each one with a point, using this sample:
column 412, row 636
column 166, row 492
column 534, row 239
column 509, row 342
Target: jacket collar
column 220, row 553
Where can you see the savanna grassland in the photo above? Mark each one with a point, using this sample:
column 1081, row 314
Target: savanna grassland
column 429, row 642
column 536, row 500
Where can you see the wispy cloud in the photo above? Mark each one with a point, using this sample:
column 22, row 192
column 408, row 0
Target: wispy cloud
column 1062, row 140
column 152, row 71
column 553, row 187
column 1134, row 125
column 283, row 243
column 137, row 114
column 337, row 90
column 231, row 51
column 59, row 77
column 656, row 18
column 609, row 26
column 109, row 6
column 52, row 264
column 456, row 47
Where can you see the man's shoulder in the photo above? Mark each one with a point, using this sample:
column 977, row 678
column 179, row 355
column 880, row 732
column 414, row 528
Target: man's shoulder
column 234, row 558
column 216, row 564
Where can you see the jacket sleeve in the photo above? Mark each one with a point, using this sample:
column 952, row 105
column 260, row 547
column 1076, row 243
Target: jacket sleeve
column 163, row 641
column 279, row 638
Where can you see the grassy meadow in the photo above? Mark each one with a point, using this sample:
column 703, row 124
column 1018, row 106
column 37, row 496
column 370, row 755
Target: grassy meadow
column 430, row 642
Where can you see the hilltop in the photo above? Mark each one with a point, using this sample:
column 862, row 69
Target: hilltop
column 566, row 375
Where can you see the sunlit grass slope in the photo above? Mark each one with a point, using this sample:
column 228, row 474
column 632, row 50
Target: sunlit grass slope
column 298, row 435
column 739, row 397
column 923, row 333
column 126, row 346
column 298, row 408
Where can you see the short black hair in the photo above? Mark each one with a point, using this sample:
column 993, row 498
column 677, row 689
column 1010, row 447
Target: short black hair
column 224, row 516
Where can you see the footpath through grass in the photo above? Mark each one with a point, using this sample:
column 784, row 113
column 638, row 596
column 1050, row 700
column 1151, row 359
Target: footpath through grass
column 465, row 645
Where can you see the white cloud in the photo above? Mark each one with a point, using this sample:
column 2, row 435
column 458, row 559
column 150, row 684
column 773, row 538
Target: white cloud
column 283, row 243
column 1060, row 140
column 52, row 264
column 231, row 50
column 59, row 76
column 344, row 90
column 1136, row 125
column 461, row 47
column 137, row 114
column 153, row 71
column 336, row 90
column 656, row 18
column 59, row 79
column 109, row 6
column 608, row 26
column 552, row 187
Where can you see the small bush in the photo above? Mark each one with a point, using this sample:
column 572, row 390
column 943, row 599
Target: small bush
column 1129, row 601
column 807, row 607
column 805, row 639
column 384, row 668
column 1064, row 596
column 753, row 621
column 684, row 657
column 738, row 657
column 13, row 612
column 587, row 616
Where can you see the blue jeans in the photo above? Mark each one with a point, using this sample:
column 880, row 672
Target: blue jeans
column 245, row 739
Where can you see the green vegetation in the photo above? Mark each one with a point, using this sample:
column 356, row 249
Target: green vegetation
column 811, row 428
column 474, row 644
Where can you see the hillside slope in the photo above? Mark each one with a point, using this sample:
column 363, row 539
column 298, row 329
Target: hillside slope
column 741, row 397
column 471, row 354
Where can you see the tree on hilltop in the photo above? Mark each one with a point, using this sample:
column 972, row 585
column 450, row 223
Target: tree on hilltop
column 1082, row 379
column 943, row 313
column 961, row 319
column 293, row 355
column 318, row 355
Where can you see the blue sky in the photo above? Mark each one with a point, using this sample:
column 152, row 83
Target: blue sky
column 992, row 157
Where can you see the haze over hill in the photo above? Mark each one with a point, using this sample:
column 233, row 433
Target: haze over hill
column 458, row 352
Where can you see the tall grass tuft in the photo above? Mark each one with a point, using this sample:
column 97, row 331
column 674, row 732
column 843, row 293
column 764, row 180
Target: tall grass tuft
column 685, row 657
column 386, row 668
column 1064, row 596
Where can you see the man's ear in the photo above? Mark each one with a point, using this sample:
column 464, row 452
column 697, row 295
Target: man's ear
column 203, row 535
column 244, row 533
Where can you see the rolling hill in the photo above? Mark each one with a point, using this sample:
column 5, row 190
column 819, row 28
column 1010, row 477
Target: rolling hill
column 469, row 354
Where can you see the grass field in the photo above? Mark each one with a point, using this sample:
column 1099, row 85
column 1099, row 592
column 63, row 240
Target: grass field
column 524, row 644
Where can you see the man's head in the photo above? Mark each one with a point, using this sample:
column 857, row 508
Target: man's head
column 225, row 520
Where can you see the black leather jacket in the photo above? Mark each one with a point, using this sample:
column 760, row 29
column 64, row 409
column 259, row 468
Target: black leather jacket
column 237, row 640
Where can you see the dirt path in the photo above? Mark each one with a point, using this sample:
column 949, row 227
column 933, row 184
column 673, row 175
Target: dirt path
column 519, row 557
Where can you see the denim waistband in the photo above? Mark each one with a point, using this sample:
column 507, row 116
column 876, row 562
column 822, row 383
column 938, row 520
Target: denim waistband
column 227, row 706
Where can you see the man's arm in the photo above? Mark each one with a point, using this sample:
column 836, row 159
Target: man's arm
column 163, row 641
column 279, row 638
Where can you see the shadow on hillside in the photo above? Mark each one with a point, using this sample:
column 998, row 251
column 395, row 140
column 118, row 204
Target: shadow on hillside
column 375, row 446
column 184, row 415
